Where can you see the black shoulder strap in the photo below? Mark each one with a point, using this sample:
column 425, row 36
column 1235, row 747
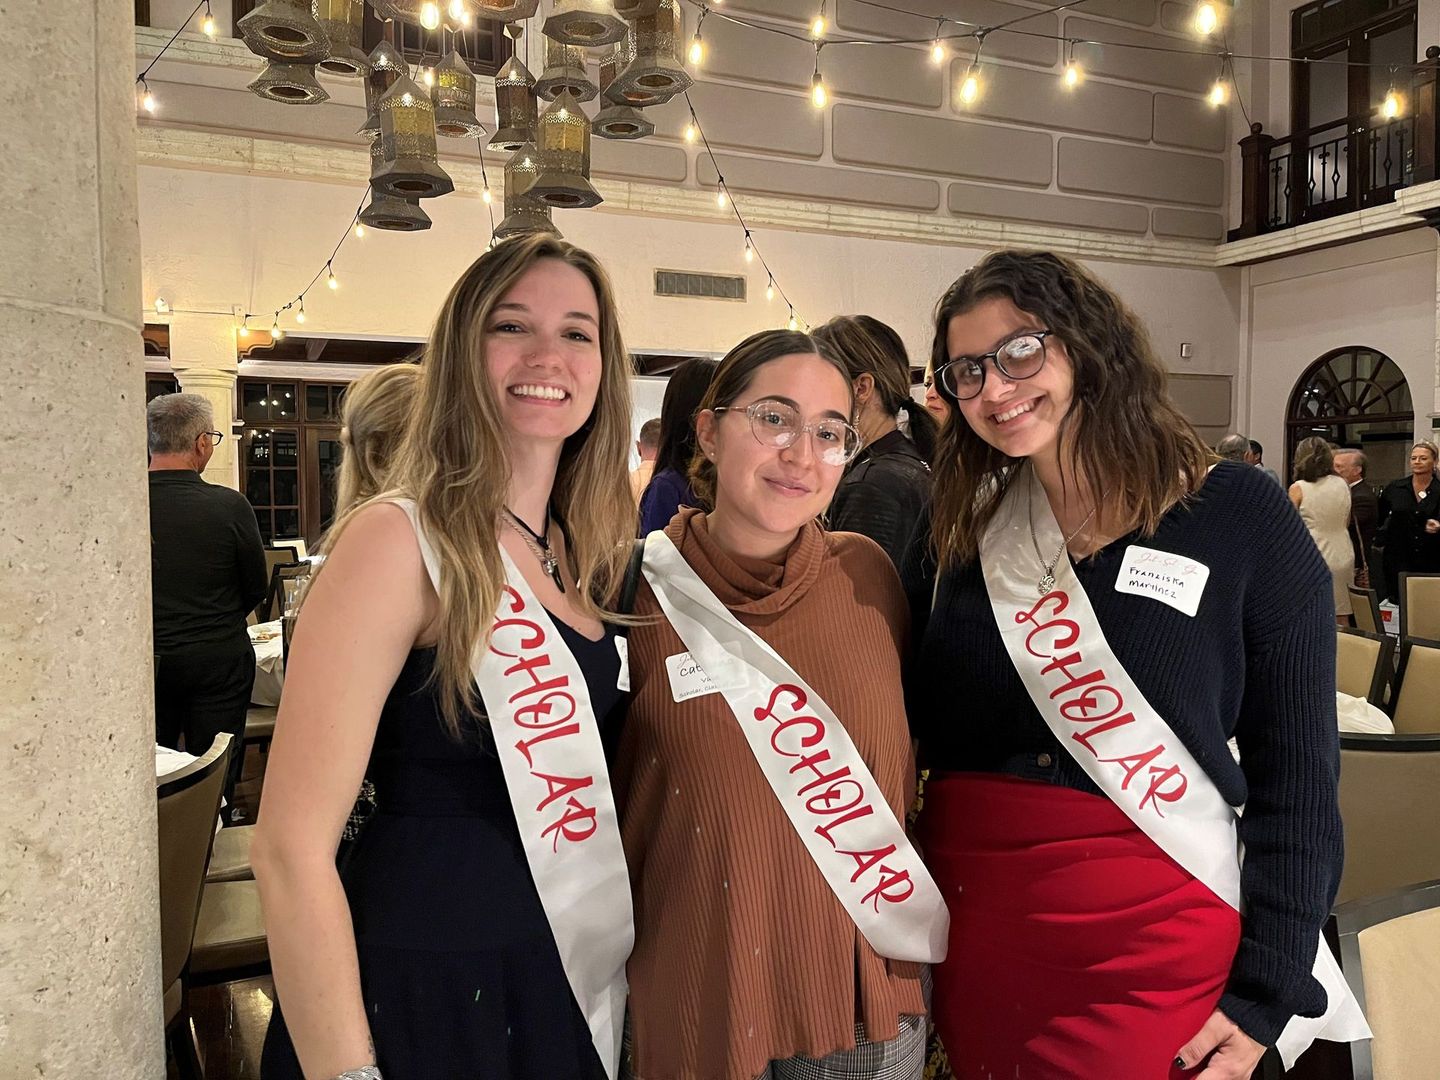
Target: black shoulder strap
column 631, row 583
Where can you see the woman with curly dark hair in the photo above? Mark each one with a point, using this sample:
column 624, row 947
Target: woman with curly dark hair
column 1111, row 611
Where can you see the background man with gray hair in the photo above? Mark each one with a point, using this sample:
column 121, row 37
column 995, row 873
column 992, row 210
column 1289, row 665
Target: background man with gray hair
column 1233, row 448
column 1364, row 508
column 207, row 570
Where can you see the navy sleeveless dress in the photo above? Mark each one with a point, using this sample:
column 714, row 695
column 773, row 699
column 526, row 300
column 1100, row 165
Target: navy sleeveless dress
column 458, row 967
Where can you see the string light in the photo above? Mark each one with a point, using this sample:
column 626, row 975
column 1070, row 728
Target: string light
column 1392, row 105
column 359, row 231
column 937, row 50
column 794, row 323
column 275, row 332
column 1074, row 74
column 749, row 251
column 244, row 331
column 819, row 96
column 690, row 132
column 970, row 88
column 697, row 43
column 207, row 24
column 300, row 315
column 332, row 280
column 427, row 76
column 485, row 195
column 1207, row 18
column 457, row 10
column 720, row 197
column 147, row 99
column 819, row 26
column 770, row 290
column 430, row 15
column 1220, row 92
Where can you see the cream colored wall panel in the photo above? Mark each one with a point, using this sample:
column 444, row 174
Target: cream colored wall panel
column 642, row 159
column 793, row 11
column 863, row 19
column 1181, row 72
column 756, row 120
column 1191, row 123
column 821, row 182
column 1207, row 402
column 1189, row 224
column 891, row 73
column 1177, row 18
column 1139, row 12
column 864, row 136
column 1140, row 173
column 743, row 52
column 976, row 200
column 1040, row 99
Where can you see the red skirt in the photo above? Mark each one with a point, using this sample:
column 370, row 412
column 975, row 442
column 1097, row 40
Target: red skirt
column 1078, row 949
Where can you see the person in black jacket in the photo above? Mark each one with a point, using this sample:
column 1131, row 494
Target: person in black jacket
column 207, row 569
column 1364, row 509
column 1408, row 531
column 889, row 483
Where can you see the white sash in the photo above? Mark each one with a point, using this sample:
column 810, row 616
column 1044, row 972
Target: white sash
column 548, row 740
column 812, row 767
column 1102, row 719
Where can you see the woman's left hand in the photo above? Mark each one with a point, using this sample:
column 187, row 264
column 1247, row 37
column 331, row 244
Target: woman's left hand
column 1233, row 1054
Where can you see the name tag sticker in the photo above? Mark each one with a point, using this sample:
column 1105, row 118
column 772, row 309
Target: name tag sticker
column 689, row 680
column 622, row 646
column 1162, row 575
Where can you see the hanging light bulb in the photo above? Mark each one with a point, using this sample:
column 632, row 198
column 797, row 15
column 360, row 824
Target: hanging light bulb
column 275, row 332
column 457, row 10
column 485, row 196
column 332, row 281
column 690, row 132
column 819, row 25
column 1219, row 93
column 1074, row 74
column 770, row 290
column 430, row 15
column 749, row 251
column 937, row 52
column 359, row 231
column 147, row 99
column 720, row 198
column 819, row 96
column 970, row 88
column 300, row 315
column 697, row 49
column 1207, row 17
column 1392, row 106
column 207, row 24
column 427, row 76
column 794, row 323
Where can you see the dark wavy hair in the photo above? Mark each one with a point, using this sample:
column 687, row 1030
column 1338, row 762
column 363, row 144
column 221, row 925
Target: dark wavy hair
column 734, row 376
column 1123, row 433
column 867, row 346
column 1314, row 459
column 683, row 392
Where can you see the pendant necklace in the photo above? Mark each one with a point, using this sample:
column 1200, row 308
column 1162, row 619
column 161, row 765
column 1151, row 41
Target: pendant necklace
column 1047, row 580
column 539, row 544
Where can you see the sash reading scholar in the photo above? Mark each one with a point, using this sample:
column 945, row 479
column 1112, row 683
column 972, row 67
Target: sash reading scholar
column 547, row 738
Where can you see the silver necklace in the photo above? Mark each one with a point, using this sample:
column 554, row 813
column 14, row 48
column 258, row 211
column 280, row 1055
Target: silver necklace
column 539, row 544
column 1047, row 580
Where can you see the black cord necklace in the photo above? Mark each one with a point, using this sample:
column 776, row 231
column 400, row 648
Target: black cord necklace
column 539, row 544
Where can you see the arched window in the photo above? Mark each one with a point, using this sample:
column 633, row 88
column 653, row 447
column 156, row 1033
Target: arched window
column 1355, row 396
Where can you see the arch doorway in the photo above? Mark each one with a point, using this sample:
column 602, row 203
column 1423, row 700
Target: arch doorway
column 1355, row 396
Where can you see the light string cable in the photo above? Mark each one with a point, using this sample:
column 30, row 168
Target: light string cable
column 147, row 99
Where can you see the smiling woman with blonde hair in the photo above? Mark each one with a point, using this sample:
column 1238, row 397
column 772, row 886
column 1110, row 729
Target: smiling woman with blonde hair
column 455, row 642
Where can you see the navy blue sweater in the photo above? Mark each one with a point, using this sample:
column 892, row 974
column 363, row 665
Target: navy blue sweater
column 1257, row 662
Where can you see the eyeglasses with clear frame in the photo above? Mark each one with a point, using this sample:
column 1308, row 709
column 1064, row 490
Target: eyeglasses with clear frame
column 776, row 424
column 1019, row 358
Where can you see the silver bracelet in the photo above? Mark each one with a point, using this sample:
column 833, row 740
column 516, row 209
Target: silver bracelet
column 365, row 1072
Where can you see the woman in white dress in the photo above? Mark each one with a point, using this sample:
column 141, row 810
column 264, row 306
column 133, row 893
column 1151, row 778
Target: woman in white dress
column 1323, row 499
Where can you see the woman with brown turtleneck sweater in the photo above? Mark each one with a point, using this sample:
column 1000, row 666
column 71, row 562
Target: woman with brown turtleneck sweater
column 745, row 963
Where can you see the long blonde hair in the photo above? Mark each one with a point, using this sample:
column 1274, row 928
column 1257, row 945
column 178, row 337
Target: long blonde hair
column 374, row 413
column 454, row 462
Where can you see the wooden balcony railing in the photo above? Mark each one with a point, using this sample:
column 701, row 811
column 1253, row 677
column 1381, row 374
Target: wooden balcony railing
column 1340, row 166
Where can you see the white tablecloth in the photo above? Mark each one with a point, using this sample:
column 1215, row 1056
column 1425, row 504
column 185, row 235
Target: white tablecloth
column 269, row 663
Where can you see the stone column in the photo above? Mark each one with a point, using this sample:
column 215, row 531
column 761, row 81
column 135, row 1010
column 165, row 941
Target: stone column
column 79, row 914
column 202, row 353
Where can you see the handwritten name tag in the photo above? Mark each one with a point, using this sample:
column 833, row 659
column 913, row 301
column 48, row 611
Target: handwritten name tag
column 1162, row 575
column 689, row 680
column 622, row 646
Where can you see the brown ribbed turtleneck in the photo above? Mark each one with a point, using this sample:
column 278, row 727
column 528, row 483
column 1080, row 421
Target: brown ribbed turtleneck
column 742, row 953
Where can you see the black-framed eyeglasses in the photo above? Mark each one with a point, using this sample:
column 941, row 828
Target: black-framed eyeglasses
column 1019, row 358
column 215, row 437
column 777, row 425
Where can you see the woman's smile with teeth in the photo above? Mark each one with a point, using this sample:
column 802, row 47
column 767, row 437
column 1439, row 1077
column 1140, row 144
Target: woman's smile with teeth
column 534, row 390
column 1011, row 414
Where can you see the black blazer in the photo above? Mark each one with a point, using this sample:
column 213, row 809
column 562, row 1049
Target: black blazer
column 1364, row 513
column 1401, row 526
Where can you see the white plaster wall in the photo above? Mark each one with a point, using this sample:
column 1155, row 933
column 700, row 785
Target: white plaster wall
column 216, row 240
column 1379, row 293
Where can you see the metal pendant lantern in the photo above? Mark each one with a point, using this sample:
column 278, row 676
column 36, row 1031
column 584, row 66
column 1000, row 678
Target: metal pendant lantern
column 386, row 65
column 586, row 23
column 616, row 92
column 564, row 71
column 657, row 73
column 394, row 215
column 630, row 10
column 286, row 31
column 454, row 97
column 565, row 157
column 618, row 121
column 342, row 21
column 288, row 84
column 507, row 11
column 523, row 212
column 408, row 167
column 407, row 11
column 515, row 107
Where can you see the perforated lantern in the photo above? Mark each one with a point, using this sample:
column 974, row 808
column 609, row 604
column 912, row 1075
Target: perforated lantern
column 615, row 92
column 342, row 21
column 618, row 121
column 286, row 31
column 587, row 23
column 656, row 74
column 394, row 215
column 454, row 97
column 408, row 168
column 288, row 84
column 636, row 9
column 564, row 71
column 523, row 212
column 407, row 11
column 565, row 157
column 386, row 65
column 515, row 107
column 507, row 11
